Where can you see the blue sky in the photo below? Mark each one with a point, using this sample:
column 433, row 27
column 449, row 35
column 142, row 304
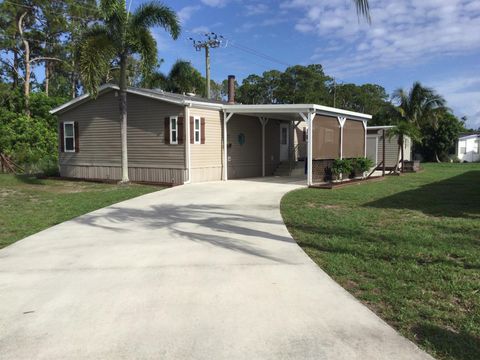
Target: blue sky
column 434, row 41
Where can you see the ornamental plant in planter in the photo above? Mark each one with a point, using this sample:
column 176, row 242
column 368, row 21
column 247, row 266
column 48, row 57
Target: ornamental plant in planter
column 341, row 168
column 360, row 166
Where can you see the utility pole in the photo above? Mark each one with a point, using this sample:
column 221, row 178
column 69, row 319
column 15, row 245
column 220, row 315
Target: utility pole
column 212, row 40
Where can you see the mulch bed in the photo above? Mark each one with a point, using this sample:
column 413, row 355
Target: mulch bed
column 336, row 185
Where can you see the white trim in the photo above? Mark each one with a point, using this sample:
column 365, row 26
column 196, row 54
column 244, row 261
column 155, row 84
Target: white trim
column 173, row 130
column 341, row 122
column 65, row 137
column 365, row 130
column 381, row 127
column 465, row 137
column 186, row 139
column 195, row 130
column 311, row 116
column 225, row 155
column 295, row 109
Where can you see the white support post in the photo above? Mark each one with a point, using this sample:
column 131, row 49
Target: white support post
column 186, row 138
column 309, row 120
column 226, row 118
column 341, row 121
column 263, row 122
column 365, row 129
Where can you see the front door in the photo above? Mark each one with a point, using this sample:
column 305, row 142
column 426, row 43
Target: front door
column 284, row 139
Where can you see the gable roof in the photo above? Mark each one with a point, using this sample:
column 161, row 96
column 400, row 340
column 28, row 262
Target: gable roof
column 290, row 111
column 157, row 94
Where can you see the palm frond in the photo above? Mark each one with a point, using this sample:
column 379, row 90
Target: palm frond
column 96, row 53
column 155, row 13
column 363, row 8
column 141, row 41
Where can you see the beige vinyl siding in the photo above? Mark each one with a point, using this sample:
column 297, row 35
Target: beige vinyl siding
column 150, row 159
column 298, row 142
column 244, row 160
column 206, row 159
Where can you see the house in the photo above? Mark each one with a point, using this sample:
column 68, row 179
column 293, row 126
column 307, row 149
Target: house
column 378, row 140
column 468, row 147
column 178, row 139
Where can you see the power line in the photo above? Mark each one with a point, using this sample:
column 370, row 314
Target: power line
column 258, row 54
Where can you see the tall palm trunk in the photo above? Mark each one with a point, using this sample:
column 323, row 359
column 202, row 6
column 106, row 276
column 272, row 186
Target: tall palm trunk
column 123, row 115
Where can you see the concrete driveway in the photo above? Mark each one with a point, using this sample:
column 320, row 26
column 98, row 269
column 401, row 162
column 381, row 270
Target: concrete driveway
column 202, row 271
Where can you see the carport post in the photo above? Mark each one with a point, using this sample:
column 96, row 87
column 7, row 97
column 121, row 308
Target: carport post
column 365, row 129
column 341, row 121
column 311, row 116
column 225, row 155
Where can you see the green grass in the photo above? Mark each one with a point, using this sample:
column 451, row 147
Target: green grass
column 408, row 247
column 28, row 205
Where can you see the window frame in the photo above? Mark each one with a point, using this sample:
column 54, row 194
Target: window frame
column 72, row 123
column 170, row 128
column 197, row 131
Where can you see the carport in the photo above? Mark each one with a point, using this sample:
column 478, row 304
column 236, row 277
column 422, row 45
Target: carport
column 335, row 133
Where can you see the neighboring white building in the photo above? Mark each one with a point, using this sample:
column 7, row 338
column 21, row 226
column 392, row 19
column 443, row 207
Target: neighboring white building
column 468, row 148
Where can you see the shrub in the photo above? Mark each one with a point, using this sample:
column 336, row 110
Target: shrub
column 361, row 164
column 341, row 166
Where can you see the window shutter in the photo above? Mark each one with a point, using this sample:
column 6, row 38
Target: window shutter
column 167, row 130
column 62, row 138
column 192, row 130
column 180, row 130
column 202, row 130
column 304, row 134
column 77, row 136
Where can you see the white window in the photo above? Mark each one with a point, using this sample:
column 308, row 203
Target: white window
column 69, row 136
column 196, row 131
column 462, row 147
column 173, row 130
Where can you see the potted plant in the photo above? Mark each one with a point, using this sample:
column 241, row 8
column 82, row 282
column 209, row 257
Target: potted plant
column 340, row 168
column 360, row 166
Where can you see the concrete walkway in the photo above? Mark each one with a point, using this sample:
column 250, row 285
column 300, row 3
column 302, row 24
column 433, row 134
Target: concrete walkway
column 202, row 271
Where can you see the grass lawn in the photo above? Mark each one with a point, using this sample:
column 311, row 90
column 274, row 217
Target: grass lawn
column 408, row 247
column 28, row 205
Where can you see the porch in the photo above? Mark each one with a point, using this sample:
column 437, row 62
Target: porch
column 278, row 135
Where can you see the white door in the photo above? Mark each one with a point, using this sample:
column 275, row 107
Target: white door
column 284, row 139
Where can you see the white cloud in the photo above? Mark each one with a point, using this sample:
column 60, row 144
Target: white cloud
column 186, row 13
column 402, row 32
column 215, row 3
column 462, row 94
column 201, row 29
column 256, row 9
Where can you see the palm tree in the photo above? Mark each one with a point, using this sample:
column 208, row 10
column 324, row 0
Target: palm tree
column 402, row 130
column 120, row 35
column 419, row 106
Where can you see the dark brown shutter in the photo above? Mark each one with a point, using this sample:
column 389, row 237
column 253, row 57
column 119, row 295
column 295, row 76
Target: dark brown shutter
column 77, row 136
column 202, row 130
column 62, row 138
column 167, row 130
column 304, row 134
column 180, row 130
column 192, row 130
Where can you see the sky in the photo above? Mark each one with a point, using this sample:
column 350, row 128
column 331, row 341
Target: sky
column 436, row 42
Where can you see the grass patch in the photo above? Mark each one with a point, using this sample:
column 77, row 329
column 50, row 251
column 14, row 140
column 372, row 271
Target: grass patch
column 408, row 247
column 29, row 205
